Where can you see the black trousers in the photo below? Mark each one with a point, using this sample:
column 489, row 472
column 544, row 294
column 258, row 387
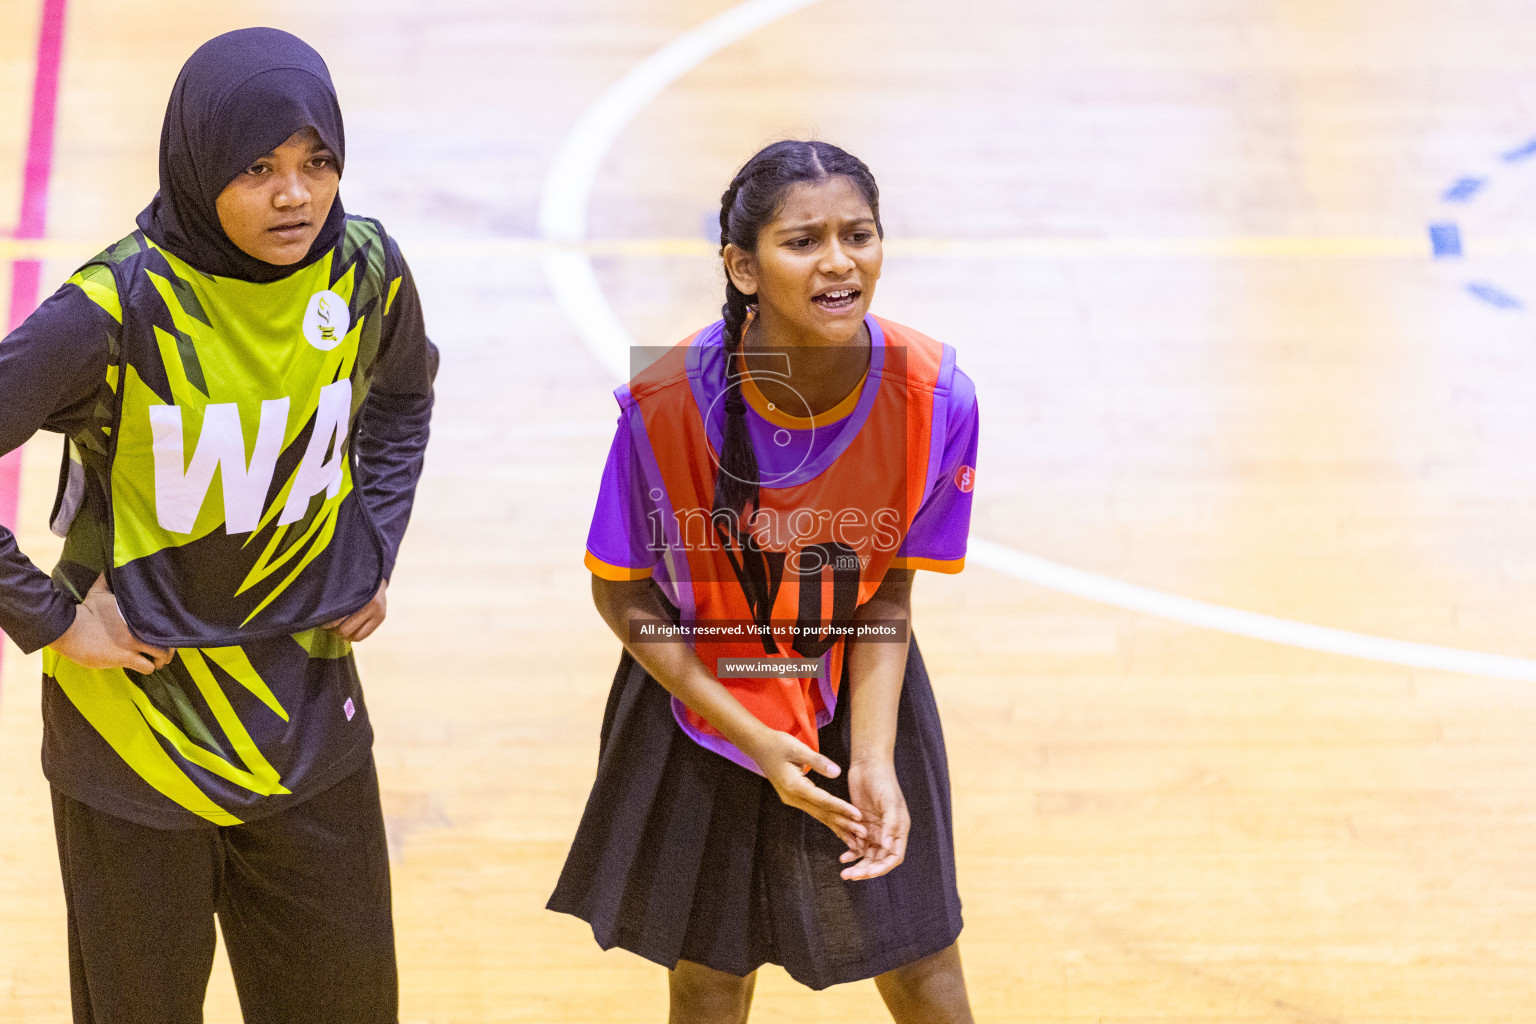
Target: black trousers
column 302, row 898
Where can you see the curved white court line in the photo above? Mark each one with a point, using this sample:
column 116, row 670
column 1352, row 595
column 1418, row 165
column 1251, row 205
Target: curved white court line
column 1107, row 590
column 568, row 185
column 567, row 264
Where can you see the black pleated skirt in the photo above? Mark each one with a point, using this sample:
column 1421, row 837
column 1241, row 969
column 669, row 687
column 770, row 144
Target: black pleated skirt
column 684, row 855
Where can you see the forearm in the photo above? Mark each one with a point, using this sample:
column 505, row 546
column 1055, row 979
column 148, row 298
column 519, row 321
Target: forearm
column 391, row 449
column 876, row 672
column 674, row 665
column 32, row 612
column 395, row 420
column 52, row 375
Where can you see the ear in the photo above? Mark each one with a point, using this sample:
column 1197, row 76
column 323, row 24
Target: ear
column 741, row 268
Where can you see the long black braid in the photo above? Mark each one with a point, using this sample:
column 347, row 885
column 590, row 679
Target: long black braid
column 754, row 198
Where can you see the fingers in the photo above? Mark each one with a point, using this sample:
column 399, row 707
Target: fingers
column 790, row 763
column 867, row 846
column 823, row 766
column 888, row 821
column 145, row 659
column 361, row 623
column 842, row 818
column 824, row 804
column 365, row 629
column 890, row 850
column 871, row 867
column 881, row 855
column 808, row 760
column 854, row 834
column 844, row 830
column 346, row 628
column 899, row 849
column 357, row 626
column 98, row 639
column 893, row 833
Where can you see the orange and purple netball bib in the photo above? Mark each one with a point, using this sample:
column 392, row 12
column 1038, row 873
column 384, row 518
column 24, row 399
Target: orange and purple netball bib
column 767, row 598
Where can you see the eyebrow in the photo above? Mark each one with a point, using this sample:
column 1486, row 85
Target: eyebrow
column 796, row 229
column 318, row 146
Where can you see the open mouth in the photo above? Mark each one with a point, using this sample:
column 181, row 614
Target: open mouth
column 837, row 301
column 290, row 231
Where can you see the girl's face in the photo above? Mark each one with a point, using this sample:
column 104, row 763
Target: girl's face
column 274, row 209
column 816, row 263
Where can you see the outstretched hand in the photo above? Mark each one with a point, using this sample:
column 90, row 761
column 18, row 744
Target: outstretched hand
column 876, row 793
column 99, row 638
column 361, row 623
column 785, row 761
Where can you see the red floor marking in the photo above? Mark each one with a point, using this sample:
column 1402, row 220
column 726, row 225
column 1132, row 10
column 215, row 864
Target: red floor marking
column 26, row 275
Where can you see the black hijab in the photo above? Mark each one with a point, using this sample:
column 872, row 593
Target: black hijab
column 240, row 96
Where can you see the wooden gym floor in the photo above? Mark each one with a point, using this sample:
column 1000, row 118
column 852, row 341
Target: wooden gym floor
column 1184, row 250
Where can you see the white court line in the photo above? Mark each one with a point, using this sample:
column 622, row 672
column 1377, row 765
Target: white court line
column 1107, row 590
column 568, row 185
column 563, row 224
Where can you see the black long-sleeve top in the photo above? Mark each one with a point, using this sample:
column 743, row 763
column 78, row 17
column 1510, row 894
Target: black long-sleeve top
column 54, row 372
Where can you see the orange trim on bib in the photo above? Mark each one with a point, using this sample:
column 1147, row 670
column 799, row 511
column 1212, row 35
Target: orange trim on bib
column 779, row 418
column 615, row 573
column 944, row 565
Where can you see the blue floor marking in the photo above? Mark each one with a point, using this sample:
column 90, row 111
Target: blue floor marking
column 1464, row 189
column 1445, row 239
column 1520, row 153
column 1493, row 296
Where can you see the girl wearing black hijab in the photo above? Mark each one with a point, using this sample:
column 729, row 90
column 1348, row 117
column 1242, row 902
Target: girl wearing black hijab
column 244, row 384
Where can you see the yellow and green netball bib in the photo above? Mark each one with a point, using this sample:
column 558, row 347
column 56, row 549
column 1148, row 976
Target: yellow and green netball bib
column 233, row 512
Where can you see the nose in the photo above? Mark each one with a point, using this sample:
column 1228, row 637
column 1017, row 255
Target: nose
column 836, row 260
column 291, row 190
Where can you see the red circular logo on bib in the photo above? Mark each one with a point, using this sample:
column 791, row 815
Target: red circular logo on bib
column 965, row 479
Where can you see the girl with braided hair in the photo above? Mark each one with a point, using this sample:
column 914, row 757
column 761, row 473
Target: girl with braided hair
column 774, row 480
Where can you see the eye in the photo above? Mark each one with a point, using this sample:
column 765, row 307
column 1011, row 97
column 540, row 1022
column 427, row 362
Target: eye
column 257, row 168
column 800, row 243
column 322, row 161
column 861, row 237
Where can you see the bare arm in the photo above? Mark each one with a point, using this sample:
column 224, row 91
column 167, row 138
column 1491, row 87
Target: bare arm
column 875, row 675
column 875, row 671
column 783, row 759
